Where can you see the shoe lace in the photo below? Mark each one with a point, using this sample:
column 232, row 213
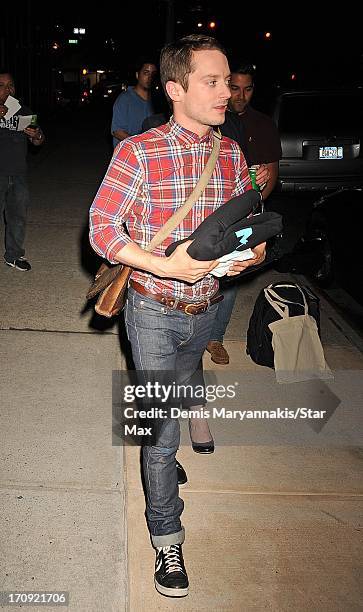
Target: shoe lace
column 172, row 559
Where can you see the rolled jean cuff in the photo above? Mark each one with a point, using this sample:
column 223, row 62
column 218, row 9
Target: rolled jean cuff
column 159, row 541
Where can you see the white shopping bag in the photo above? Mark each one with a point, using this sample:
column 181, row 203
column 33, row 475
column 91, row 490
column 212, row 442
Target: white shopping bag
column 298, row 352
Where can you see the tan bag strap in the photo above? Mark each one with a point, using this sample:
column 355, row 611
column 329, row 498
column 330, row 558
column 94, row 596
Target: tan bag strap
column 179, row 215
column 281, row 304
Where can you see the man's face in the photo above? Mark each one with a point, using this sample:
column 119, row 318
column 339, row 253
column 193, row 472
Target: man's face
column 205, row 101
column 146, row 75
column 7, row 87
column 241, row 92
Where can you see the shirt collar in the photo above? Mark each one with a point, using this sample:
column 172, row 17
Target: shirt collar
column 187, row 137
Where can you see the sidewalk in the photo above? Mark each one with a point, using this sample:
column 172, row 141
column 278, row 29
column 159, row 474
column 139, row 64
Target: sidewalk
column 62, row 516
column 269, row 527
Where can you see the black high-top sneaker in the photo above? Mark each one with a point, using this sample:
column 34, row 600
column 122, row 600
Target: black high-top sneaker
column 170, row 574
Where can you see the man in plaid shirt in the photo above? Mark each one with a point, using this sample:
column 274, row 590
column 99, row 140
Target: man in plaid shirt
column 172, row 301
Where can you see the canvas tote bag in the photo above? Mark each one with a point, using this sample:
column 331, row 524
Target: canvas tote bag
column 298, row 352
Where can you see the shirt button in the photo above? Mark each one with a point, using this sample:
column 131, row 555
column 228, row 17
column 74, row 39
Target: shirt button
column 187, row 146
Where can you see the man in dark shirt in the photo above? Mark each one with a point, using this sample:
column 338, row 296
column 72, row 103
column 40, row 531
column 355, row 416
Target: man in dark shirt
column 261, row 135
column 259, row 139
column 14, row 194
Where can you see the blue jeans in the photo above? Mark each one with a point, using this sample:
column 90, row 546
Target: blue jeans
column 224, row 312
column 166, row 339
column 14, row 202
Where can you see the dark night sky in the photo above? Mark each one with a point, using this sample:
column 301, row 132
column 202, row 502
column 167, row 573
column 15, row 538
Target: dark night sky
column 316, row 48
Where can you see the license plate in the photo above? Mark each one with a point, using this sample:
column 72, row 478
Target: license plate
column 330, row 152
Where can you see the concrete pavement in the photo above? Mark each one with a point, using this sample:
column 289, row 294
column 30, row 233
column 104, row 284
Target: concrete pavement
column 61, row 482
column 269, row 526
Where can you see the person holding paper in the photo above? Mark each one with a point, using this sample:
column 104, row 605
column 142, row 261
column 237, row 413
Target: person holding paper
column 15, row 131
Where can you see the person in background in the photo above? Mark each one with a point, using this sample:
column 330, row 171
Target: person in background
column 14, row 192
column 260, row 142
column 132, row 106
column 262, row 137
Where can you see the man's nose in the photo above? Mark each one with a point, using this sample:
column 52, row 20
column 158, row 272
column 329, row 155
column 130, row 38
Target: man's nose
column 226, row 93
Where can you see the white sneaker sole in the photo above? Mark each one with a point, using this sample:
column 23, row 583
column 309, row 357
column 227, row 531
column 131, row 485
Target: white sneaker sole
column 170, row 592
column 11, row 265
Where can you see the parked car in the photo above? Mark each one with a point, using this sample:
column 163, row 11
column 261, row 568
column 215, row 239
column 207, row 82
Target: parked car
column 330, row 250
column 322, row 139
column 107, row 91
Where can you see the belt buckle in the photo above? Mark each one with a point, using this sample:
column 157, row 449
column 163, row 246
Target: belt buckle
column 200, row 308
column 186, row 309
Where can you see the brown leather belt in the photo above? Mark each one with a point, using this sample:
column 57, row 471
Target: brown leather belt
column 190, row 308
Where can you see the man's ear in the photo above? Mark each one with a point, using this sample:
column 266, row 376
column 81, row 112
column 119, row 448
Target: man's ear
column 137, row 75
column 175, row 90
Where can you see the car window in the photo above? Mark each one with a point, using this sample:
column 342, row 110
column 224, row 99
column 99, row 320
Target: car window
column 321, row 113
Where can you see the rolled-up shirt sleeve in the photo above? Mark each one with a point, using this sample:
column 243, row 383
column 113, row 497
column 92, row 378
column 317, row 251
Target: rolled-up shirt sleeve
column 111, row 207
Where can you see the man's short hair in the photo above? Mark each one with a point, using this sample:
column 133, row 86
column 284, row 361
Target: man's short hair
column 176, row 58
column 6, row 71
column 245, row 68
column 141, row 61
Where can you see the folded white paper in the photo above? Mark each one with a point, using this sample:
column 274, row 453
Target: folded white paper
column 226, row 261
column 12, row 105
column 24, row 121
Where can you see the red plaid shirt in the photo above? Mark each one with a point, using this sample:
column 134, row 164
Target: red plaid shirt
column 150, row 176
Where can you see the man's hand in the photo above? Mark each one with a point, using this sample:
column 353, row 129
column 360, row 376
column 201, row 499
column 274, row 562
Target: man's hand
column 32, row 132
column 181, row 266
column 262, row 176
column 3, row 110
column 238, row 266
column 35, row 135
